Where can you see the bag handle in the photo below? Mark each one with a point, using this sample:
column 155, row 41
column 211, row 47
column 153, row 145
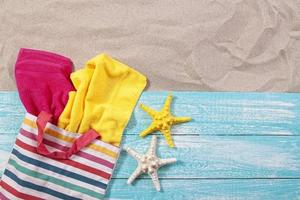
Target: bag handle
column 86, row 138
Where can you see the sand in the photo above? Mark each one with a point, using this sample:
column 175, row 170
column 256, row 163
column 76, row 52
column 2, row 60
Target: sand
column 215, row 45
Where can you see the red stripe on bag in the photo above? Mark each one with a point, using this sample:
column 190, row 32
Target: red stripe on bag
column 18, row 194
column 67, row 162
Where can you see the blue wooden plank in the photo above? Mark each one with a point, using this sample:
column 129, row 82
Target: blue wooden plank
column 240, row 189
column 214, row 113
column 215, row 157
column 222, row 157
column 11, row 112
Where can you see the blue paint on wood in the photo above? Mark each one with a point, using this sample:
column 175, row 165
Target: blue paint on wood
column 208, row 189
column 222, row 156
column 244, row 145
column 214, row 113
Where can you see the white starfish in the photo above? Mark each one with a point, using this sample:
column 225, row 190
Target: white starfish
column 148, row 163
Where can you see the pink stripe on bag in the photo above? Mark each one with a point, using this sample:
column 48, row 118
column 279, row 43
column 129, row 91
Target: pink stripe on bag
column 2, row 197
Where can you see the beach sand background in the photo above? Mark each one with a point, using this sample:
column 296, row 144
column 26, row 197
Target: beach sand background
column 207, row 45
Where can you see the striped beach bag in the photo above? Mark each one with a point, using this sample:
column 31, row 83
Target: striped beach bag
column 48, row 162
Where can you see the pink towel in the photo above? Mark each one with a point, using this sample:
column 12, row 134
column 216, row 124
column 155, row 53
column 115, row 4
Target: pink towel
column 43, row 81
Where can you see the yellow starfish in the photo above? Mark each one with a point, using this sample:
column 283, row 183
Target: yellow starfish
column 162, row 121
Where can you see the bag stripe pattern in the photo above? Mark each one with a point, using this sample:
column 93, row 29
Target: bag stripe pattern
column 30, row 175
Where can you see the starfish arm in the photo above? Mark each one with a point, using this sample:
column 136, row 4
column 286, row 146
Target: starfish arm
column 153, row 146
column 155, row 180
column 134, row 175
column 148, row 110
column 168, row 137
column 166, row 161
column 148, row 130
column 133, row 153
column 167, row 105
column 177, row 120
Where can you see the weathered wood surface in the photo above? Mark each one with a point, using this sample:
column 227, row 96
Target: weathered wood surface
column 238, row 146
column 207, row 189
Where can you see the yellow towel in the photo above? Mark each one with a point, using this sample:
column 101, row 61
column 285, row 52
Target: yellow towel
column 106, row 94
